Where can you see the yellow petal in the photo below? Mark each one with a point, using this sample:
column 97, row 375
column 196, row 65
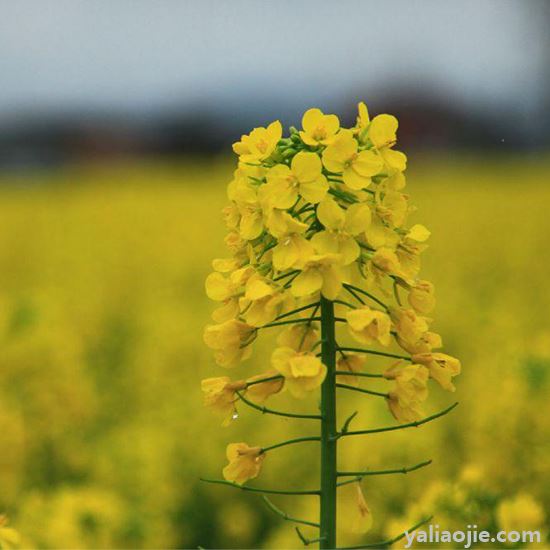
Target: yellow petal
column 218, row 288
column 251, row 225
column 306, row 283
column 358, row 218
column 396, row 160
column 418, row 233
column 311, row 119
column 382, row 131
column 257, row 289
column 325, row 242
column 306, row 167
column 349, row 249
column 368, row 163
column 354, row 180
column 332, row 283
column 314, row 191
column 280, row 360
column 330, row 214
column 304, row 365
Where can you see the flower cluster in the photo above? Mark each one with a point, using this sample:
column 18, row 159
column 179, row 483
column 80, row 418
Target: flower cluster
column 321, row 212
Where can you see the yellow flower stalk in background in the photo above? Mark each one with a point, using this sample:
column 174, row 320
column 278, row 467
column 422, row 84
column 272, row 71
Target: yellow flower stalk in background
column 9, row 538
column 318, row 238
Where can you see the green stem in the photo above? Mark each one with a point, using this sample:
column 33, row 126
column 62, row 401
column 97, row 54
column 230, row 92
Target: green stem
column 263, row 380
column 364, row 374
column 405, row 470
column 290, row 442
column 284, row 515
column 362, row 390
column 402, row 426
column 328, row 428
column 265, row 410
column 257, row 490
column 375, row 352
column 367, row 294
column 298, row 310
column 290, row 322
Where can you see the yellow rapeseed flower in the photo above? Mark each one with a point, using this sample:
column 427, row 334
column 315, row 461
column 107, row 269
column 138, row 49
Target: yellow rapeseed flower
column 302, row 178
column 319, row 273
column 220, row 395
column 303, row 371
column 368, row 325
column 409, row 326
column 357, row 167
column 318, row 128
column 409, row 392
column 383, row 135
column 229, row 340
column 341, row 228
column 442, row 367
column 259, row 144
column 262, row 301
column 421, row 297
column 245, row 462
column 260, row 392
column 299, row 337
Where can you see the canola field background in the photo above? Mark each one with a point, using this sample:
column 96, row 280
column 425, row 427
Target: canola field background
column 102, row 306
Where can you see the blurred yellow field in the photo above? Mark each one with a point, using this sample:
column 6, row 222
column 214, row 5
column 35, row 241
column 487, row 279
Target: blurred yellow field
column 102, row 307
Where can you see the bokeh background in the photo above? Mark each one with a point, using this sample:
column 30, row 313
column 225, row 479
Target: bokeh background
column 116, row 120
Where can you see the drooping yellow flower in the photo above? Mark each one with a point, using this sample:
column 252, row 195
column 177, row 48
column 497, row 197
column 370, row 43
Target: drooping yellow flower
column 320, row 272
column 227, row 290
column 299, row 337
column 303, row 178
column 318, row 128
column 409, row 392
column 230, row 341
column 385, row 262
column 362, row 521
column 259, row 144
column 352, row 363
column 426, row 343
column 341, row 227
column 259, row 392
column 383, row 135
column 380, row 235
column 262, row 301
column 303, row 371
column 357, row 167
column 421, row 297
column 442, row 367
column 220, row 395
column 244, row 462
column 368, row 325
column 409, row 326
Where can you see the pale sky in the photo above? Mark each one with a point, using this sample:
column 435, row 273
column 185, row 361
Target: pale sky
column 135, row 54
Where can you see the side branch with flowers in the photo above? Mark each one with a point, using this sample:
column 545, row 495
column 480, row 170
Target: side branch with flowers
column 320, row 249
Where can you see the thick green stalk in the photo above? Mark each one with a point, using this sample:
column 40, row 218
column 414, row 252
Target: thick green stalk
column 328, row 428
